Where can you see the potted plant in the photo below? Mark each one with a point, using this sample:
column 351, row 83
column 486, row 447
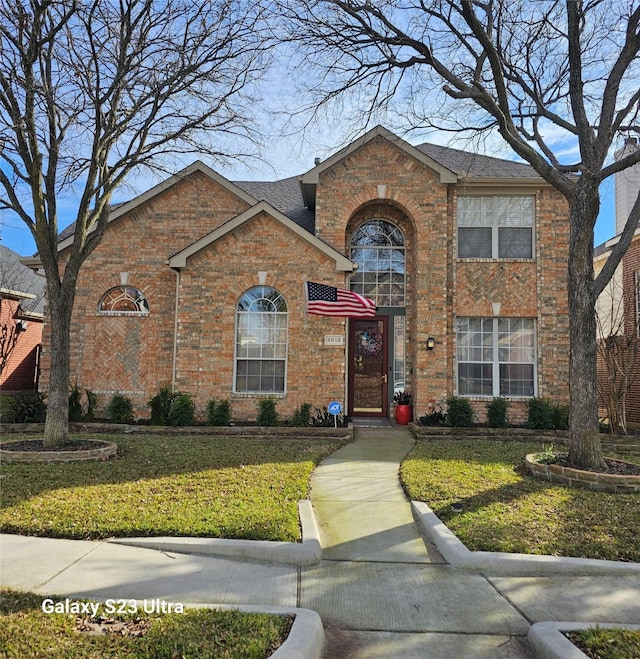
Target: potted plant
column 404, row 409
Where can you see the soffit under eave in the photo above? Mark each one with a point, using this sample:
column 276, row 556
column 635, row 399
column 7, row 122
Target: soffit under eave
column 179, row 260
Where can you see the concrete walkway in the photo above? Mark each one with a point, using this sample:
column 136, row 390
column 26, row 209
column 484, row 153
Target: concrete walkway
column 381, row 588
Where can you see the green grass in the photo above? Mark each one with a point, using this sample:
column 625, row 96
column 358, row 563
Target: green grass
column 27, row 632
column 240, row 487
column 613, row 643
column 508, row 511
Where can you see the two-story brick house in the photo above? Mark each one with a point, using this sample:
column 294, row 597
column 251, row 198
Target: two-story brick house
column 199, row 284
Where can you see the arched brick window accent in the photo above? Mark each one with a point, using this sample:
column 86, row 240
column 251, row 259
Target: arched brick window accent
column 261, row 342
column 123, row 299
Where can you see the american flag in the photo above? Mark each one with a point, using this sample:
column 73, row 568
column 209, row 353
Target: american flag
column 324, row 300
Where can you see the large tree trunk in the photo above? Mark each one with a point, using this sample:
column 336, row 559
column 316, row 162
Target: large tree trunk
column 585, row 449
column 56, row 430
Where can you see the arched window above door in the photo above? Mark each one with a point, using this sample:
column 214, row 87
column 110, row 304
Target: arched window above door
column 378, row 247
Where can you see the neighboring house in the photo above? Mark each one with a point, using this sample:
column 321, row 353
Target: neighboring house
column 618, row 306
column 199, row 284
column 21, row 316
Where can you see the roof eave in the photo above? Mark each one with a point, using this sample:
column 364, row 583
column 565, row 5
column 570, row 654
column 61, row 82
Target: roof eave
column 179, row 260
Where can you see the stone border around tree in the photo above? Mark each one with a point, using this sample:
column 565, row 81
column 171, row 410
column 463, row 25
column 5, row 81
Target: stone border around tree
column 103, row 451
column 555, row 473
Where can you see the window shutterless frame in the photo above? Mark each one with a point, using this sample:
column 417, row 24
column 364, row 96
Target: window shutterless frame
column 494, row 357
column 496, row 227
column 261, row 342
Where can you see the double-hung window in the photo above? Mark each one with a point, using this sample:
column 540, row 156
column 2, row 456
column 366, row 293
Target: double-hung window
column 496, row 356
column 496, row 227
column 261, row 341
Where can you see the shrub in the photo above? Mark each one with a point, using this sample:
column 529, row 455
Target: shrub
column 171, row 408
column 561, row 417
column 544, row 415
column 25, row 407
column 80, row 410
column 302, row 416
column 267, row 414
column 323, row 418
column 160, row 406
column 434, row 418
column 497, row 413
column 459, row 412
column 218, row 414
column 120, row 409
column 182, row 410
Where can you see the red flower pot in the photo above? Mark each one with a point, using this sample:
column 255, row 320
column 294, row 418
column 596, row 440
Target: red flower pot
column 404, row 414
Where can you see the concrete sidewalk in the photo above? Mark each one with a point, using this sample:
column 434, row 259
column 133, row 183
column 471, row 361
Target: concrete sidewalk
column 382, row 588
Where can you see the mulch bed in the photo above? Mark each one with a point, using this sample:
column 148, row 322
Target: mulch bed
column 614, row 467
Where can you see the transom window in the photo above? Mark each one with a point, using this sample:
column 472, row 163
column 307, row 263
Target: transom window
column 378, row 248
column 496, row 356
column 495, row 227
column 261, row 341
column 123, row 299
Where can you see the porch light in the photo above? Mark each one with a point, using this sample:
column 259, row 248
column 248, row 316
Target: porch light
column 431, row 342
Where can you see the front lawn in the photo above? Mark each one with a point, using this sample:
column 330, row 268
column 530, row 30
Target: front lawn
column 505, row 510
column 28, row 632
column 239, row 487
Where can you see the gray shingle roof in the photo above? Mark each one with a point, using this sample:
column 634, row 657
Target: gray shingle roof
column 473, row 165
column 284, row 195
column 17, row 277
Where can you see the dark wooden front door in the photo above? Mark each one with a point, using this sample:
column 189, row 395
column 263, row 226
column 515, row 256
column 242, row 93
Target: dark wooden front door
column 368, row 367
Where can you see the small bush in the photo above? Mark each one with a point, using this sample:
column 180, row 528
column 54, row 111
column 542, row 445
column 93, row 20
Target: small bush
column 545, row 415
column 302, row 416
column 497, row 413
column 120, row 409
column 267, row 413
column 182, row 410
column 26, row 407
column 79, row 409
column 160, row 406
column 460, row 414
column 561, row 417
column 218, row 414
column 323, row 418
column 434, row 418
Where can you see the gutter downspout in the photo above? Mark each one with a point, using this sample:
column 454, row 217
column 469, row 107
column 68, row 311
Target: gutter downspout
column 175, row 332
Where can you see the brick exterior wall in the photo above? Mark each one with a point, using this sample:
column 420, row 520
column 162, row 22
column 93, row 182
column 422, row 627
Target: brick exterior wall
column 21, row 372
column 135, row 355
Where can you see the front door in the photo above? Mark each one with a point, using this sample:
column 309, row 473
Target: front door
column 368, row 367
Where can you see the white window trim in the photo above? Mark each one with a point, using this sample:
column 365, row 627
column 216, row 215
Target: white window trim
column 263, row 394
column 495, row 227
column 495, row 370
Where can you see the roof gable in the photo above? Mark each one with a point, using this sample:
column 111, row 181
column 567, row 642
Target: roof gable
column 198, row 166
column 179, row 260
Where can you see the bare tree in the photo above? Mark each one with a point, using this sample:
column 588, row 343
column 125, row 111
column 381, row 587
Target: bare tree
column 92, row 91
column 618, row 351
column 530, row 71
